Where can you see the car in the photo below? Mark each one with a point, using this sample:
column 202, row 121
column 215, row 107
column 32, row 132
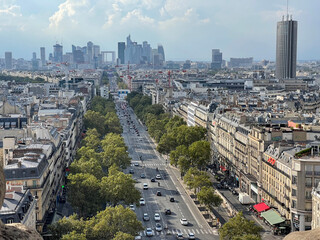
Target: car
column 132, row 207
column 159, row 193
column 149, row 232
column 167, row 211
column 157, row 217
column 152, row 180
column 158, row 176
column 172, row 199
column 136, row 164
column 145, row 186
column 142, row 202
column 184, row 222
column 137, row 237
column 143, row 175
column 131, row 171
column 146, row 217
column 180, row 236
column 158, row 227
column 191, row 236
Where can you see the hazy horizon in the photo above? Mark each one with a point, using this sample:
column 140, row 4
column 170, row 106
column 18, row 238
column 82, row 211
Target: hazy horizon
column 186, row 29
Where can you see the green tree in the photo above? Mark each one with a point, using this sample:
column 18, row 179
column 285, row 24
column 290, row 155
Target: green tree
column 199, row 153
column 84, row 194
column 180, row 151
column 184, row 164
column 106, row 224
column 208, row 198
column 196, row 179
column 167, row 143
column 74, row 236
column 92, row 139
column 239, row 227
column 91, row 166
column 95, row 120
column 66, row 225
column 112, row 122
column 118, row 187
column 123, row 236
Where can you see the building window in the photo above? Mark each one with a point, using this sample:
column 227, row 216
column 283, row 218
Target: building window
column 294, row 204
column 316, row 182
column 34, row 183
column 294, row 192
column 10, row 220
column 308, row 182
column 308, row 169
column 308, row 195
column 294, row 179
column 317, row 170
column 308, row 218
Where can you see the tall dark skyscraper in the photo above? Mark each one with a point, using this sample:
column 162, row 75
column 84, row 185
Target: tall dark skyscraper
column 8, row 60
column 90, row 51
column 216, row 59
column 57, row 53
column 121, row 47
column 286, row 59
column 43, row 55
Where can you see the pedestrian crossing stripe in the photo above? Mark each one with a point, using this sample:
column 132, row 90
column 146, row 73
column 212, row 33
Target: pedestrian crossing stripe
column 187, row 231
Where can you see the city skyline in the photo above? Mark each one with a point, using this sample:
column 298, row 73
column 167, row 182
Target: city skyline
column 187, row 31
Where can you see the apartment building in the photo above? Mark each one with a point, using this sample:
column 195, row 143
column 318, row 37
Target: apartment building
column 289, row 175
column 315, row 223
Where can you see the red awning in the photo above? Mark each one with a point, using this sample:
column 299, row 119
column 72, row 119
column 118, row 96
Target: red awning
column 223, row 168
column 261, row 207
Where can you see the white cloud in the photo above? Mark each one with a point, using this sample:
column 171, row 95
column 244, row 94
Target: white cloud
column 136, row 15
column 66, row 10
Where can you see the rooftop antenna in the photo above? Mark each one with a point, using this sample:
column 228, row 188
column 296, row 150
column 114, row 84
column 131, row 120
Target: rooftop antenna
column 287, row 10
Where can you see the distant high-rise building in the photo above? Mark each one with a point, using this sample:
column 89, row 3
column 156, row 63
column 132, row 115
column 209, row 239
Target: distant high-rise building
column 57, row 53
column 34, row 56
column 240, row 62
column 286, row 59
column 8, row 60
column 43, row 55
column 121, row 47
column 161, row 53
column 90, row 51
column 96, row 50
column 216, row 59
column 146, row 52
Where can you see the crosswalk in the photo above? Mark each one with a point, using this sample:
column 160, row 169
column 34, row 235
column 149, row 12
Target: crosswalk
column 186, row 231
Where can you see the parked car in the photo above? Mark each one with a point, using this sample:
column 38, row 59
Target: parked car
column 158, row 176
column 159, row 193
column 132, row 207
column 172, row 199
column 143, row 175
column 153, row 180
column 131, row 171
column 145, row 186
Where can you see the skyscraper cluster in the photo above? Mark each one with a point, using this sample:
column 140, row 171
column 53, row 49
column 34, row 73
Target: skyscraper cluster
column 133, row 53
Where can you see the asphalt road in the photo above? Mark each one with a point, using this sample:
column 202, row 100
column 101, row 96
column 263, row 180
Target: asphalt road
column 169, row 186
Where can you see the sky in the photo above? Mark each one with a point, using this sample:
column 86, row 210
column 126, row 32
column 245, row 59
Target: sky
column 187, row 29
